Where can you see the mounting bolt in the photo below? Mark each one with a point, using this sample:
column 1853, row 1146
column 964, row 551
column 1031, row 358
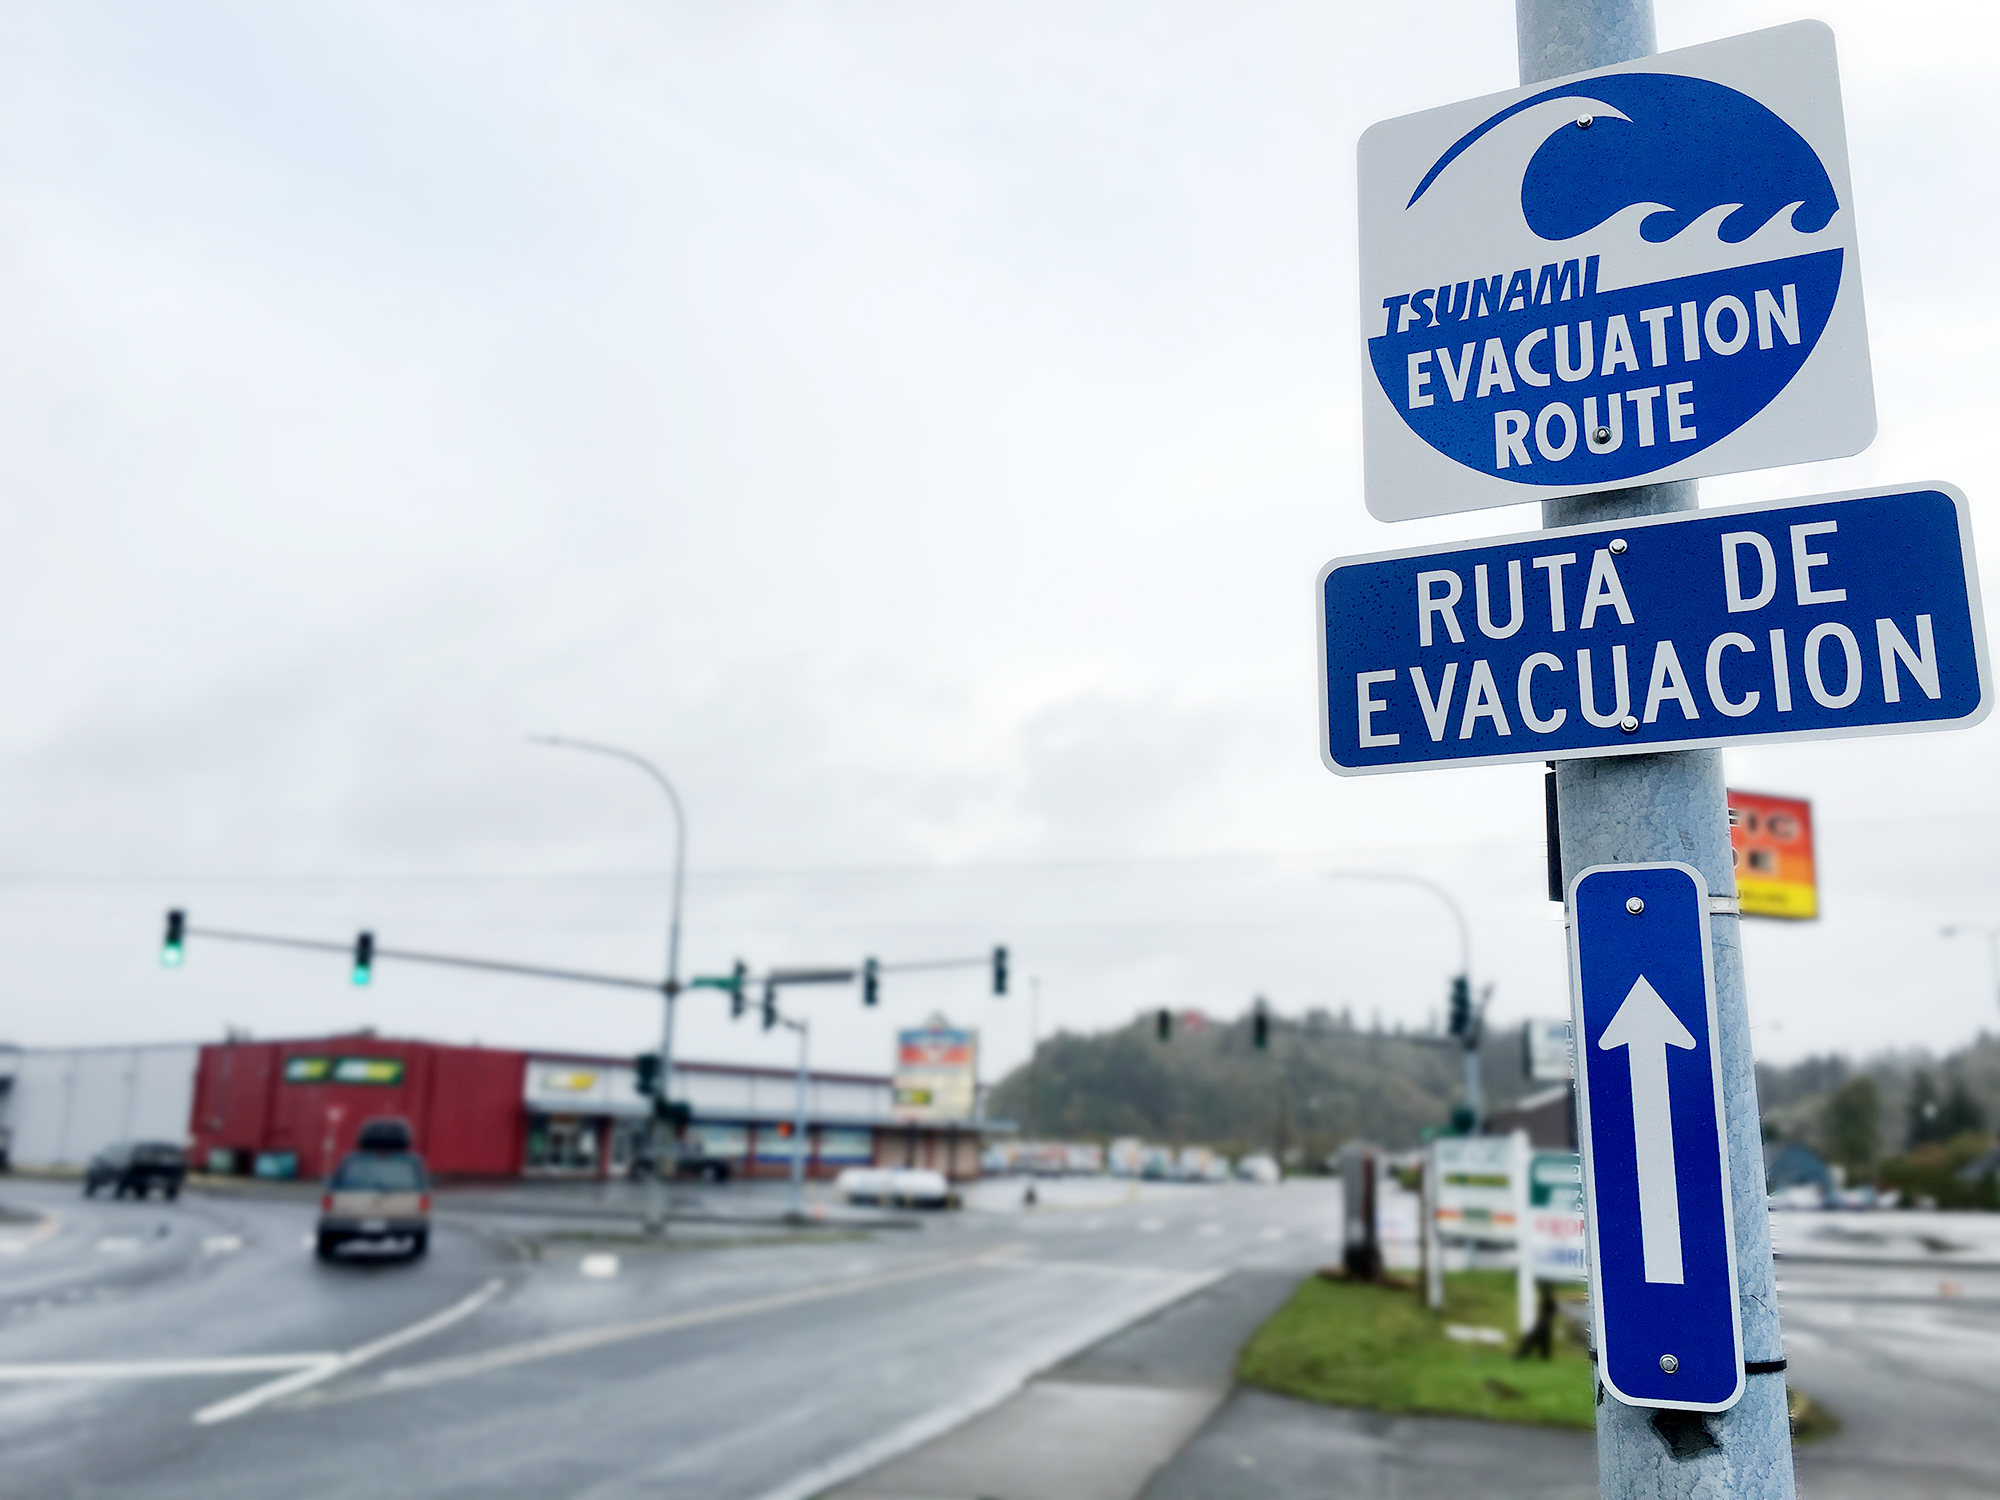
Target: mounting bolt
column 1634, row 905
column 1618, row 545
column 1603, row 435
column 1584, row 122
column 1669, row 1364
column 1629, row 724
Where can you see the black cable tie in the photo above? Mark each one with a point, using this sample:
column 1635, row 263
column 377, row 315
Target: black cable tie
column 1750, row 1366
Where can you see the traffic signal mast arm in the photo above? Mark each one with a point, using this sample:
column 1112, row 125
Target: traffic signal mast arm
column 411, row 955
column 365, row 950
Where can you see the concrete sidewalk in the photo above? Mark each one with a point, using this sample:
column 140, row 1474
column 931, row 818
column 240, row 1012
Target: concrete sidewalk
column 1262, row 1446
column 1098, row 1426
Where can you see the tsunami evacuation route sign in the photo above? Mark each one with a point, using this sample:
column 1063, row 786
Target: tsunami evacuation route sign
column 1630, row 276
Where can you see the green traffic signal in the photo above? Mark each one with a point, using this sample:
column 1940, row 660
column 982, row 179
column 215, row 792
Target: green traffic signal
column 174, row 947
column 364, row 957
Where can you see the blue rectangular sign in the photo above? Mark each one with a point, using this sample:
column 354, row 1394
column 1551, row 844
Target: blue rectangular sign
column 1834, row 615
column 1655, row 1160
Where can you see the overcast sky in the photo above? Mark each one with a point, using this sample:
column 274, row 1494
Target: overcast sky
column 917, row 426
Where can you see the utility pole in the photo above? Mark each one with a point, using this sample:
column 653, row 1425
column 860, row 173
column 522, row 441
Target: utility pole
column 1630, row 809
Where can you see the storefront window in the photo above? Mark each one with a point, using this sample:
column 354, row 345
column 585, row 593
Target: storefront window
column 562, row 1143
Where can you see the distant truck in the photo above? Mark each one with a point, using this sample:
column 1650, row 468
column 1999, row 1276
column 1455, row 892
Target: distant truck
column 900, row 1187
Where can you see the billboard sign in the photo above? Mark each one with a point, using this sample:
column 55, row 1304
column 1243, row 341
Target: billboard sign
column 1640, row 274
column 936, row 1072
column 1771, row 845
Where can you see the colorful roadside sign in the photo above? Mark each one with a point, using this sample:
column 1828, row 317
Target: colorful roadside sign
column 1475, row 1188
column 1644, row 273
column 1771, row 845
column 936, row 1074
column 1829, row 616
column 1655, row 1160
column 1553, row 1227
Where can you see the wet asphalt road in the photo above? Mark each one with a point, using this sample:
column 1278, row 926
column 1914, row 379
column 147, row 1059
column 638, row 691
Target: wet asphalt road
column 199, row 1349
column 718, row 1370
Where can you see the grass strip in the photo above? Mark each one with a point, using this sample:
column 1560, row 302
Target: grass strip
column 1354, row 1344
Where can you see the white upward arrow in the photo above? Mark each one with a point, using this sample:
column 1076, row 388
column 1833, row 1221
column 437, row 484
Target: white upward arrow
column 1646, row 1026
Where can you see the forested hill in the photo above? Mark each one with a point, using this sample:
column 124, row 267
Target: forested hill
column 1319, row 1083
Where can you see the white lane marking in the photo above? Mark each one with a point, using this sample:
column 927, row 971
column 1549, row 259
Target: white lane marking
column 602, row 1267
column 340, row 1364
column 1273, row 1233
column 1211, row 1228
column 922, row 1429
column 222, row 1244
column 20, row 1244
column 119, row 1244
column 554, row 1346
column 1151, row 1226
column 159, row 1369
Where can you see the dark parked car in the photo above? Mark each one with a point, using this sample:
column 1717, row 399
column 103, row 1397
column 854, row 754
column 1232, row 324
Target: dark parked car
column 136, row 1168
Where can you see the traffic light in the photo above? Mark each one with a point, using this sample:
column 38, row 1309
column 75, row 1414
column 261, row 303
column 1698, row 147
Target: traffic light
column 364, row 957
column 1163, row 1025
column 999, row 971
column 1461, row 1007
column 647, row 1066
column 173, row 948
column 871, row 982
column 738, row 977
column 770, row 1005
column 1260, row 1025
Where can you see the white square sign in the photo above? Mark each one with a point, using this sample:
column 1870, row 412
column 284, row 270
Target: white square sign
column 1640, row 274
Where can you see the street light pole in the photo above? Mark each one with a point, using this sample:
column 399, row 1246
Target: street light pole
column 1473, row 1091
column 1992, row 936
column 1034, row 1053
column 665, row 1147
column 799, row 1137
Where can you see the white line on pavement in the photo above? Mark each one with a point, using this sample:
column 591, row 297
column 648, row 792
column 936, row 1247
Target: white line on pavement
column 340, row 1364
column 156, row 1369
column 556, row 1345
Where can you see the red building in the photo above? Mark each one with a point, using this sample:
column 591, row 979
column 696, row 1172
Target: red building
column 292, row 1108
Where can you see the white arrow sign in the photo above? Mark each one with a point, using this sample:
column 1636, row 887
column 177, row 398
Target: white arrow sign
column 1647, row 1026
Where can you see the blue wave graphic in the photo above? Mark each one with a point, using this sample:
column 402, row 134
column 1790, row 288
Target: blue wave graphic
column 1689, row 144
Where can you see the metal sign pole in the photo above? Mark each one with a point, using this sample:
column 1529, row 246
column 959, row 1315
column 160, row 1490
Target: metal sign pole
column 1641, row 808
